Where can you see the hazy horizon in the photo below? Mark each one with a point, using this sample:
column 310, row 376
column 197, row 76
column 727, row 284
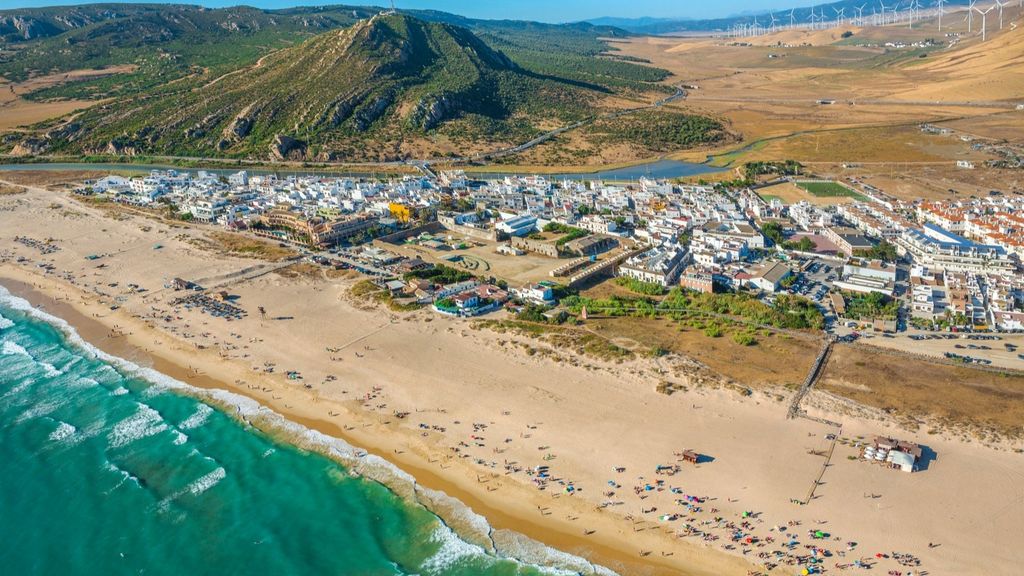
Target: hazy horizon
column 538, row 10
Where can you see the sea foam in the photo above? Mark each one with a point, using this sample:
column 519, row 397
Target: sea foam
column 14, row 349
column 5, row 323
column 37, row 410
column 207, row 481
column 144, row 423
column 197, row 419
column 63, row 432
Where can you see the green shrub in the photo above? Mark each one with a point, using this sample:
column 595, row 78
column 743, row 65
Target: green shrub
column 744, row 338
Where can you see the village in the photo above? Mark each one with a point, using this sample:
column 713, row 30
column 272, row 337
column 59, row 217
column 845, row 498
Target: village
column 870, row 262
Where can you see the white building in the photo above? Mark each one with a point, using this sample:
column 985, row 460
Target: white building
column 658, row 266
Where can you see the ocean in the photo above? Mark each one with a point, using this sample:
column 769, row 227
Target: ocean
column 110, row 468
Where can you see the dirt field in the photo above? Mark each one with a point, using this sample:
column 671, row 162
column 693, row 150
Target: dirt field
column 891, row 145
column 50, row 179
column 483, row 261
column 16, row 111
column 905, row 386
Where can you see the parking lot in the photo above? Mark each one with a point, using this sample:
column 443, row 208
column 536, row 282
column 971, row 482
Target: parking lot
column 995, row 350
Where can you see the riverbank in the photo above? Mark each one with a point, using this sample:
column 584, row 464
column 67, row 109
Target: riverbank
column 659, row 168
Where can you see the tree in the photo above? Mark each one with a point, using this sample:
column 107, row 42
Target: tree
column 773, row 231
column 884, row 251
column 805, row 244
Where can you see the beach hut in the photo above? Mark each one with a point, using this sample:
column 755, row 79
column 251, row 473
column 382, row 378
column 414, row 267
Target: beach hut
column 902, row 460
column 690, row 456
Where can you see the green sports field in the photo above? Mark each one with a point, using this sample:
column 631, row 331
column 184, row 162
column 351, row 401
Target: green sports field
column 829, row 190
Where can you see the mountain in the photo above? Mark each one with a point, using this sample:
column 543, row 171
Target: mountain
column 167, row 21
column 360, row 93
column 166, row 42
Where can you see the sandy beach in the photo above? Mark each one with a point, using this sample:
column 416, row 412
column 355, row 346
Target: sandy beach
column 580, row 454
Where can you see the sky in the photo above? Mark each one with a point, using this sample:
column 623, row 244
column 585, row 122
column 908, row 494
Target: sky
column 540, row 10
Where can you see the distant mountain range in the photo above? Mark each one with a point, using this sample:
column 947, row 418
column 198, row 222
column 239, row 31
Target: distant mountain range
column 654, row 26
column 169, row 20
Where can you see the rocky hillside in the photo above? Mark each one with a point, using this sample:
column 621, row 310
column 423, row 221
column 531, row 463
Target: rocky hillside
column 350, row 94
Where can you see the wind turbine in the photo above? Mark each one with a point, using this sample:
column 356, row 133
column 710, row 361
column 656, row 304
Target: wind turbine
column 772, row 16
column 812, row 18
column 860, row 14
column 882, row 5
column 940, row 4
column 970, row 16
column 984, row 19
column 1000, row 5
column 840, row 14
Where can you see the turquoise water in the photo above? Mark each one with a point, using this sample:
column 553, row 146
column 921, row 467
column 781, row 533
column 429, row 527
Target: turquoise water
column 106, row 468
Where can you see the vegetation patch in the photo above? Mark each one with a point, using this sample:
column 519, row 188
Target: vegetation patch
column 640, row 287
column 246, row 247
column 787, row 311
column 569, row 233
column 883, row 251
column 366, row 289
column 440, row 274
column 659, row 131
column 870, row 306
